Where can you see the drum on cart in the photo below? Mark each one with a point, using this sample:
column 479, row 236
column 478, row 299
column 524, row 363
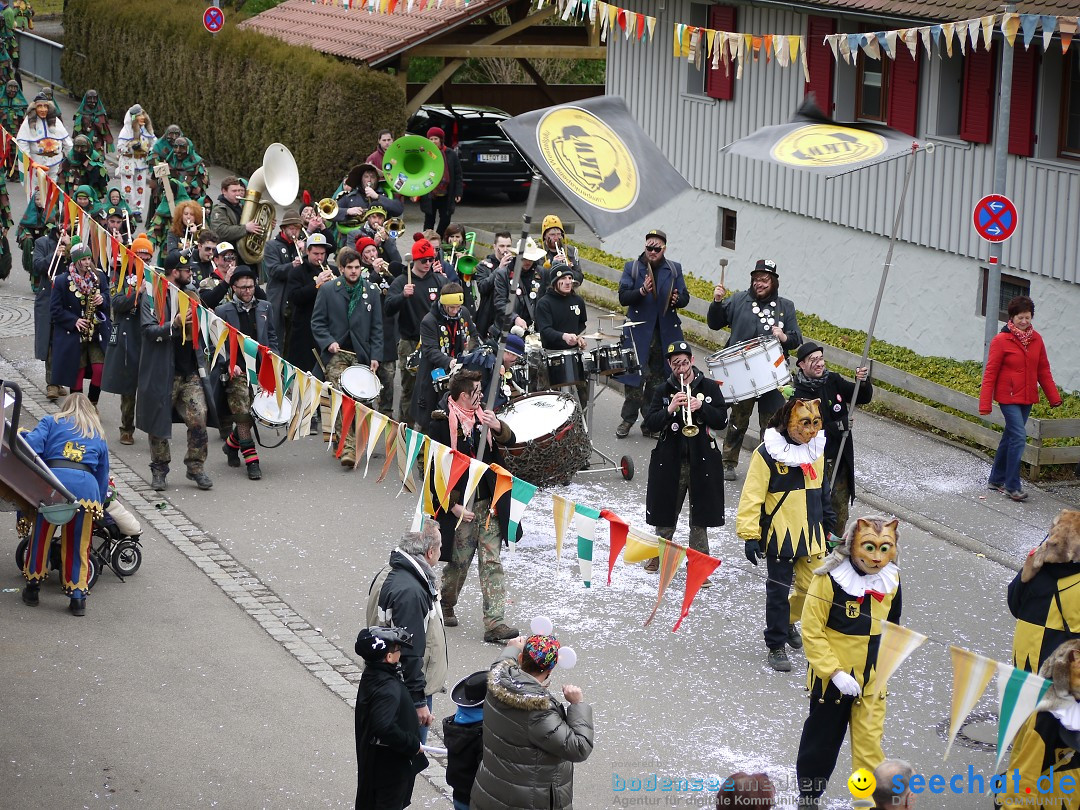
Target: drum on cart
column 749, row 369
column 612, row 359
column 272, row 419
column 550, row 439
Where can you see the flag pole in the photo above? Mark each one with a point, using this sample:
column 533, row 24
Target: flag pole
column 845, row 436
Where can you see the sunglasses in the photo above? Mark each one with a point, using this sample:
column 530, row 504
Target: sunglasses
column 654, row 248
column 425, row 261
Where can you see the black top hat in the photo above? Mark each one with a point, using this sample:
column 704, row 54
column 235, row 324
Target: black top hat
column 471, row 690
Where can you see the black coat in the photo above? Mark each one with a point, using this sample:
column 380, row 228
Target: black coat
column 387, row 734
column 121, row 374
column 526, row 291
column 441, row 340
column 300, row 299
column 65, row 309
column 557, row 315
column 405, row 600
column 465, row 751
column 835, row 394
column 411, row 310
column 704, row 450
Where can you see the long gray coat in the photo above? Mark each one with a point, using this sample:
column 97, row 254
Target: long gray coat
column 530, row 743
column 154, row 409
column 121, row 373
column 330, row 321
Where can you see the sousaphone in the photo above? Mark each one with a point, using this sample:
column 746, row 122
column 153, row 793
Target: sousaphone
column 413, row 166
column 277, row 178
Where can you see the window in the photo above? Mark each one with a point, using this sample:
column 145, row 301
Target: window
column 728, row 227
column 1070, row 108
column 697, row 71
column 1010, row 287
column 871, row 88
column 949, row 72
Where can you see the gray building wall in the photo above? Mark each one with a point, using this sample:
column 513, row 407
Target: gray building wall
column 826, row 234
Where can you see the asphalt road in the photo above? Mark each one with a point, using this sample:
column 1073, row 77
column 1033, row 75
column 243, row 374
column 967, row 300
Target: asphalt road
column 182, row 688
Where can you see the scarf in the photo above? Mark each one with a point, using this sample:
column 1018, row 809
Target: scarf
column 466, row 418
column 815, row 385
column 356, row 293
column 238, row 208
column 88, row 284
column 804, row 455
column 1023, row 335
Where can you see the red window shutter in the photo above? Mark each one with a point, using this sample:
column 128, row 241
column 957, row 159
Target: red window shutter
column 820, row 61
column 904, row 91
column 1022, row 115
column 720, row 83
column 977, row 104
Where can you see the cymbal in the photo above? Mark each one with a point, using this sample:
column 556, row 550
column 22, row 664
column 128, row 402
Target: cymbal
column 625, row 324
column 596, row 336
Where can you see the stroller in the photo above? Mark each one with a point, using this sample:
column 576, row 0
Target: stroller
column 115, row 542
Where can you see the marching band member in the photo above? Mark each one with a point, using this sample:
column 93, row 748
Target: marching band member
column 526, row 289
column 134, row 143
column 754, row 313
column 386, row 137
column 253, row 318
column 447, row 332
column 785, row 515
column 305, row 279
column 280, row 256
column 49, row 253
column 556, row 250
column 483, row 284
column 512, row 383
column 353, row 202
column 185, row 226
column 447, row 192
column 685, row 459
column 382, row 274
column 121, row 374
column 227, row 211
column 347, row 326
column 81, row 323
column 560, row 320
column 43, row 136
column 374, row 229
column 652, row 289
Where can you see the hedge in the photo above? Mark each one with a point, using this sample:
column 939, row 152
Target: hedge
column 233, row 92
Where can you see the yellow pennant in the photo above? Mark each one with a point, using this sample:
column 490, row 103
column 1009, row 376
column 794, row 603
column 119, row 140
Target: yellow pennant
column 476, row 472
column 279, row 389
column 335, row 408
column 1010, row 24
column 896, row 644
column 443, row 460
column 971, row 676
column 377, row 423
column 564, row 513
column 640, row 546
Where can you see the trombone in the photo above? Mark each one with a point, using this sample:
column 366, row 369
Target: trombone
column 689, row 429
column 328, row 208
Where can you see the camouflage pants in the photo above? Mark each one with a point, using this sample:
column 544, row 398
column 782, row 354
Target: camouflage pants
column 338, row 363
column 238, row 398
column 127, row 413
column 699, row 535
column 739, row 421
column 190, row 402
column 408, row 379
column 481, row 535
column 385, row 373
column 637, row 399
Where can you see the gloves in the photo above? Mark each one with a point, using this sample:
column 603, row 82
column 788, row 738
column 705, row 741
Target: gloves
column 753, row 551
column 846, row 684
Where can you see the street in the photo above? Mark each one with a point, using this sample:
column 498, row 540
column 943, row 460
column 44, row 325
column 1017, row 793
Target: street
column 220, row 673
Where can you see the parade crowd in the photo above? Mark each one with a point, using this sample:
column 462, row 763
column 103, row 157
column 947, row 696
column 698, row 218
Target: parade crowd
column 341, row 290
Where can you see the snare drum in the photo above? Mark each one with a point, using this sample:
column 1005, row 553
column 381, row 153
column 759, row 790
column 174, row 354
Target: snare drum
column 550, row 442
column 749, row 369
column 361, row 383
column 265, row 411
column 611, row 358
column 567, row 367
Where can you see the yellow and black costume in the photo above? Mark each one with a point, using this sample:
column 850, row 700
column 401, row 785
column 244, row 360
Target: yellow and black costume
column 841, row 631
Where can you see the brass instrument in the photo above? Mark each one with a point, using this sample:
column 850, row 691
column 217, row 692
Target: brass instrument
column 328, row 208
column 466, row 265
column 279, row 178
column 188, row 240
column 395, row 226
column 689, row 429
column 89, row 313
column 54, row 262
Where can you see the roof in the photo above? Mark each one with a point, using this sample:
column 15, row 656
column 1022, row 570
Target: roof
column 361, row 35
column 944, row 9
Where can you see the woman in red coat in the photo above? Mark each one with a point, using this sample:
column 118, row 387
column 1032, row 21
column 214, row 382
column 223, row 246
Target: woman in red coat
column 1015, row 369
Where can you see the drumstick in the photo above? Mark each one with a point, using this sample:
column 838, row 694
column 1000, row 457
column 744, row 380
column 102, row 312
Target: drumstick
column 319, row 360
column 409, row 271
column 723, row 267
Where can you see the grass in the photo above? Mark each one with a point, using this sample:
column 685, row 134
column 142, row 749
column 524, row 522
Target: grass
column 44, row 8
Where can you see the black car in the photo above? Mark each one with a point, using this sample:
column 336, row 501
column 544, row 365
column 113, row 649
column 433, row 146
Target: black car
column 490, row 163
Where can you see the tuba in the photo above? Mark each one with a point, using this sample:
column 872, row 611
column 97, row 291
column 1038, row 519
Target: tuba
column 279, row 178
column 413, row 166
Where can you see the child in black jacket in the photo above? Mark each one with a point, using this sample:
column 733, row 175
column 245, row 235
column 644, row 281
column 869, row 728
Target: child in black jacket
column 464, row 736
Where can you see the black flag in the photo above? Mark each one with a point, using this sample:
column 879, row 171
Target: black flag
column 599, row 160
column 813, row 141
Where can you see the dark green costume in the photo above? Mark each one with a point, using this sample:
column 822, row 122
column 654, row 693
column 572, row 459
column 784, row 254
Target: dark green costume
column 92, row 121
column 78, row 169
column 162, row 219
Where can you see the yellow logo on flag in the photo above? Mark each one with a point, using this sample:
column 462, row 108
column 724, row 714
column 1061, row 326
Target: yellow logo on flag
column 589, row 158
column 824, row 145
column 861, row 784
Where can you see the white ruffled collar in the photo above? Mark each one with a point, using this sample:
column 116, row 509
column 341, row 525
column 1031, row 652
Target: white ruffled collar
column 793, row 455
column 852, row 582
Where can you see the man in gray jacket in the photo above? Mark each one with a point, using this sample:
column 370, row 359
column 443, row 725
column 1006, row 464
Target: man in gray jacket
column 406, row 594
column 531, row 741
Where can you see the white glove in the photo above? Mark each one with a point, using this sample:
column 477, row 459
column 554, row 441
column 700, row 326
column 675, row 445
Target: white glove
column 846, row 684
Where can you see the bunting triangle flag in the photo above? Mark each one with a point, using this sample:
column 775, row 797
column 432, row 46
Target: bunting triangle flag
column 250, row 350
column 477, row 469
column 427, row 496
column 698, row 568
column 442, row 460
column 336, row 398
column 378, row 423
column 348, row 414
column 1049, row 23
column 987, row 23
column 671, row 557
column 1028, row 24
column 617, row 529
column 563, row 510
column 1010, row 24
column 1018, row 694
column 504, row 482
column 585, row 523
column 521, row 494
column 971, row 674
column 459, row 465
column 896, row 644
column 640, row 546
column 413, row 444
column 393, row 441
column 1067, row 27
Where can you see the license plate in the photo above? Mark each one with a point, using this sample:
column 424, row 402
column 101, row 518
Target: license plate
column 493, row 158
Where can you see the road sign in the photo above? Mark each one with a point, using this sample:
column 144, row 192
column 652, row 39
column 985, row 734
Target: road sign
column 995, row 218
column 213, row 19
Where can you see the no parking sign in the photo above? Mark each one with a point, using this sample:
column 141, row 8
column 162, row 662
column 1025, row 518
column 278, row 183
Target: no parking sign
column 995, row 218
column 213, row 19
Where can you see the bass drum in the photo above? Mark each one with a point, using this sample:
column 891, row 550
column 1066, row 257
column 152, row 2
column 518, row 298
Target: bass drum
column 550, row 441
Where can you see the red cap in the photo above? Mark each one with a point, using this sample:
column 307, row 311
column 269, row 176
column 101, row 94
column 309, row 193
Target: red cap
column 363, row 242
column 437, row 131
column 422, row 249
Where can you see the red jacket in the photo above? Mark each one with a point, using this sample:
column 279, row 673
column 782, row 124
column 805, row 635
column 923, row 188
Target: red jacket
column 1013, row 375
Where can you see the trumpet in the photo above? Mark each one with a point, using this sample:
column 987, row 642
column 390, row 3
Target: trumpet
column 689, row 429
column 395, row 226
column 188, row 241
column 328, row 208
